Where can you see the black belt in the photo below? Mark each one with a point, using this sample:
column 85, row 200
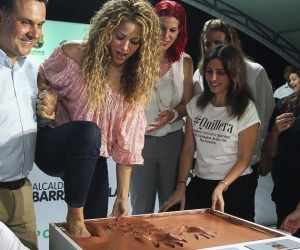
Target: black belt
column 13, row 185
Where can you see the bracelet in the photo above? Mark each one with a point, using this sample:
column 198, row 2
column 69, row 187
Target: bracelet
column 181, row 182
column 175, row 115
column 225, row 183
column 264, row 156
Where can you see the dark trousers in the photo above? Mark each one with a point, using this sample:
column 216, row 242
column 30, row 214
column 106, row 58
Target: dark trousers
column 239, row 198
column 71, row 152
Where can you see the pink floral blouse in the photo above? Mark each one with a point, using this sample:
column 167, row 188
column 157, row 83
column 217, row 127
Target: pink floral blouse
column 122, row 138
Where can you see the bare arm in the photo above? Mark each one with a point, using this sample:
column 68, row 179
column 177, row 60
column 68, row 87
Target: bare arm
column 167, row 115
column 187, row 86
column 186, row 159
column 120, row 208
column 246, row 144
column 72, row 49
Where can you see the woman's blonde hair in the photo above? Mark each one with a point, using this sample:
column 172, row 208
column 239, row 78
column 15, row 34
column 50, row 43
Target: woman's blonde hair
column 141, row 70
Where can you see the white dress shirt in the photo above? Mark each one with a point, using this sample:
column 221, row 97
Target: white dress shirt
column 283, row 91
column 18, row 94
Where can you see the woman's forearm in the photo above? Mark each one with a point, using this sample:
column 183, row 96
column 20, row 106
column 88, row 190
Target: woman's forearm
column 123, row 180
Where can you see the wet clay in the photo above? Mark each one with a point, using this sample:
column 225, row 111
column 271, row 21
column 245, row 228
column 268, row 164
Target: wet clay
column 177, row 230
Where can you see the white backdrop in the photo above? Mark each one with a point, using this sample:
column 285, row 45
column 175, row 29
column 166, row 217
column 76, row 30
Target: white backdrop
column 48, row 192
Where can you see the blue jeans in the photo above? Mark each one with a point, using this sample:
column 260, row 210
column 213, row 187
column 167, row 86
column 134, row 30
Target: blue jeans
column 71, row 152
column 97, row 199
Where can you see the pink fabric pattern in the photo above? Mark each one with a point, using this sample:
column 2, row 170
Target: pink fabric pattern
column 122, row 137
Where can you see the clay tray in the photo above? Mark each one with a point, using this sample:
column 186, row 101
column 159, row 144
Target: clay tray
column 190, row 229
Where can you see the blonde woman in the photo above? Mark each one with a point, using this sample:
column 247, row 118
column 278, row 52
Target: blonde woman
column 102, row 84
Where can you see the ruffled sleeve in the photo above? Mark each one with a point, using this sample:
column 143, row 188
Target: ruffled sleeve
column 58, row 69
column 130, row 140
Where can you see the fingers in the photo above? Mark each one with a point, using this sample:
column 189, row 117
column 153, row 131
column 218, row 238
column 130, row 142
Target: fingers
column 285, row 116
column 155, row 126
column 165, row 207
column 46, row 103
column 44, row 87
column 122, row 215
column 170, row 203
column 44, row 115
column 290, row 224
column 262, row 173
column 182, row 206
column 162, row 209
column 217, row 201
column 285, row 121
column 264, row 166
column 48, row 97
column 163, row 120
column 217, row 206
column 45, row 110
column 119, row 216
column 289, row 228
column 111, row 215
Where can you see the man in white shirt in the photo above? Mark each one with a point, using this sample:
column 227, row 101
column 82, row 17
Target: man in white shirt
column 285, row 89
column 20, row 28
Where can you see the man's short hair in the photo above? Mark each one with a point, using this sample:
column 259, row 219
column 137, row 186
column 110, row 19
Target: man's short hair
column 8, row 6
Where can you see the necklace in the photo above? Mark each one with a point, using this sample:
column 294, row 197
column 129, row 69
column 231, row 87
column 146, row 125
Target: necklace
column 158, row 98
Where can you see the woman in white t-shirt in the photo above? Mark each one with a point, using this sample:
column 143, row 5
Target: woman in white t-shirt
column 222, row 127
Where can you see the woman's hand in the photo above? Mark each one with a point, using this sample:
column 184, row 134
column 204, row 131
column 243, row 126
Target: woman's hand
column 46, row 103
column 217, row 198
column 164, row 117
column 283, row 122
column 177, row 197
column 292, row 222
column 264, row 166
column 120, row 208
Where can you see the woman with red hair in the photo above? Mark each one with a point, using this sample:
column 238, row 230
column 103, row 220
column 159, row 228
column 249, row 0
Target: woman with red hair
column 164, row 136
